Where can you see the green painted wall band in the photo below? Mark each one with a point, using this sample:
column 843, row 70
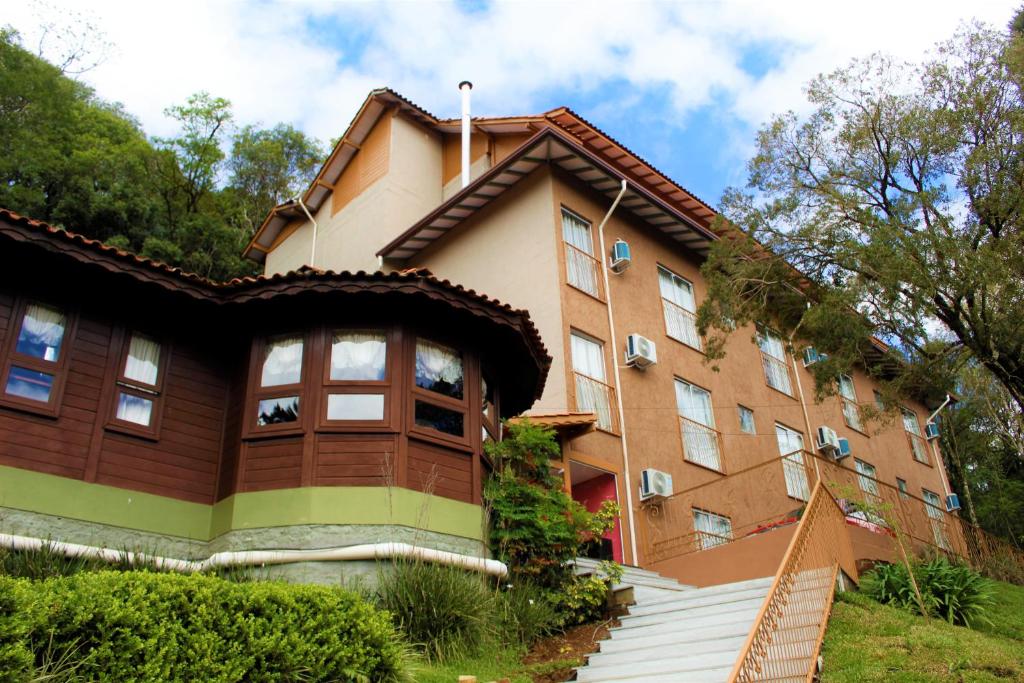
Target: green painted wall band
column 71, row 498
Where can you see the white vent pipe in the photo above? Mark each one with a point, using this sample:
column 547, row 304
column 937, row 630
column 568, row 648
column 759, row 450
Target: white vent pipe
column 250, row 558
column 465, row 87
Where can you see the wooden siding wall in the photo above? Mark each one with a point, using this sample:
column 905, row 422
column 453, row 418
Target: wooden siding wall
column 201, row 452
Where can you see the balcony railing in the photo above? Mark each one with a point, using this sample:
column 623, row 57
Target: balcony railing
column 776, row 373
column 919, row 447
column 851, row 413
column 705, row 540
column 681, row 324
column 594, row 396
column 702, row 445
column 582, row 270
column 795, row 471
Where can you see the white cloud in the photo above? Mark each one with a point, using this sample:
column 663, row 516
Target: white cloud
column 279, row 60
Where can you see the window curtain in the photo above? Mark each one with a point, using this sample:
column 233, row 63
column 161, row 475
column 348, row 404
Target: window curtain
column 791, row 445
column 772, row 345
column 910, row 422
column 594, row 397
column 577, row 233
column 587, row 358
column 846, row 388
column 712, row 529
column 358, row 356
column 42, row 331
column 438, row 366
column 143, row 362
column 282, row 362
column 676, row 289
column 694, row 403
column 867, row 478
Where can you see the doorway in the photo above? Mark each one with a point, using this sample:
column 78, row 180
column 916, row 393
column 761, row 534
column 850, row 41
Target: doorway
column 590, row 487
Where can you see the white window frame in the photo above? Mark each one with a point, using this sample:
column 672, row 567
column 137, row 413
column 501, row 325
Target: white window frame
column 593, row 393
column 848, row 400
column 582, row 267
column 679, row 312
column 711, row 529
column 741, row 410
column 701, row 444
column 775, row 362
column 794, row 471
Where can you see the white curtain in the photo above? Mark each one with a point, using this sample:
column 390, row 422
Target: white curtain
column 699, row 442
column 282, row 362
column 771, row 345
column 436, row 363
column 135, row 409
column 694, row 403
column 576, row 232
column 587, row 357
column 866, row 478
column 910, row 422
column 358, row 356
column 711, row 529
column 676, row 289
column 143, row 363
column 791, row 444
column 42, row 330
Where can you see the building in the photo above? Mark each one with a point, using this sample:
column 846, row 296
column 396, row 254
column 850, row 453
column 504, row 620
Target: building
column 547, row 197
column 309, row 415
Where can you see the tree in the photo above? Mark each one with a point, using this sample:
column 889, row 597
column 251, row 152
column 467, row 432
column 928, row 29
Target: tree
column 269, row 166
column 893, row 209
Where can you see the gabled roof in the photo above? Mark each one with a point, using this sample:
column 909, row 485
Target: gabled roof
column 599, row 144
column 550, row 146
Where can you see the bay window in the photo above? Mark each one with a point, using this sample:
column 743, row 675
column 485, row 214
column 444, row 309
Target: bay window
column 356, row 381
column 279, row 385
column 439, row 392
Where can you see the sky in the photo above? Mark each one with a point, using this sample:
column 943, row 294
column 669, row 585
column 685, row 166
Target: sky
column 684, row 84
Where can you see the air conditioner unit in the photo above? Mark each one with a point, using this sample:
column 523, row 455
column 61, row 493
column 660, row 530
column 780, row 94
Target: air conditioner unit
column 844, row 449
column 621, row 257
column 828, row 440
column 655, row 484
column 811, row 356
column 931, row 430
column 640, row 351
column 952, row 502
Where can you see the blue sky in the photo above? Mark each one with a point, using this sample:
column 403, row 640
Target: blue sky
column 685, row 84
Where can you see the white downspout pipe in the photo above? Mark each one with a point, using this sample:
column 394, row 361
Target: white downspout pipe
column 465, row 87
column 618, row 384
column 312, row 249
column 935, row 449
column 369, row 551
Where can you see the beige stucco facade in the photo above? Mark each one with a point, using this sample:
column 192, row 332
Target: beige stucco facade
column 513, row 250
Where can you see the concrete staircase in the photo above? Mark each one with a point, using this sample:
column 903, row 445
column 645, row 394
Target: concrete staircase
column 676, row 632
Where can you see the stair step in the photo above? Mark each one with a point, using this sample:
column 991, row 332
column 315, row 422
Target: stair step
column 671, row 638
column 704, row 623
column 660, row 666
column 694, row 613
column 644, row 650
column 763, row 584
column 697, row 598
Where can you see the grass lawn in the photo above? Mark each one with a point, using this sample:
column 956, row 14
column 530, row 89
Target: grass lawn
column 867, row 641
column 491, row 666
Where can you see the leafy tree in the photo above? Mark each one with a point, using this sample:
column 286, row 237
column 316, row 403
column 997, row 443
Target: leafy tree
column 269, row 166
column 898, row 198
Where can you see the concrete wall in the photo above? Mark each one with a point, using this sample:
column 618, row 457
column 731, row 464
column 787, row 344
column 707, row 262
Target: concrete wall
column 508, row 252
column 753, row 557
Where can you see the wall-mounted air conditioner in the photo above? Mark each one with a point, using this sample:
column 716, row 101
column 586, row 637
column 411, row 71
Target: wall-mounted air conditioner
column 931, row 430
column 811, row 356
column 828, row 440
column 640, row 351
column 843, row 451
column 655, row 484
column 952, row 502
column 621, row 257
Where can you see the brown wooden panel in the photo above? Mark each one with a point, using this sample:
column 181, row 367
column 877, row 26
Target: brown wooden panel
column 286, row 458
column 137, row 481
column 148, row 453
column 354, row 460
column 447, row 472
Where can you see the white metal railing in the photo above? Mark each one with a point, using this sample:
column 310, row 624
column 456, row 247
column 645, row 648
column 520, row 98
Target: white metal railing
column 701, row 444
column 851, row 413
column 918, row 447
column 594, row 396
column 795, row 472
column 681, row 324
column 582, row 269
column 776, row 373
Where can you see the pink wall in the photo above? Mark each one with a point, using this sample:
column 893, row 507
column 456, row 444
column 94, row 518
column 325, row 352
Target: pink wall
column 590, row 494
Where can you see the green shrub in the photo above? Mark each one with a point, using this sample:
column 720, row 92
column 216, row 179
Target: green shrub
column 141, row 626
column 953, row 592
column 448, row 612
column 526, row 613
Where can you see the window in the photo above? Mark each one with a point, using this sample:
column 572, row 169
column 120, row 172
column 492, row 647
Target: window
column 791, row 450
column 747, row 420
column 879, row 401
column 580, row 265
column 773, row 358
column 356, row 380
column 848, row 397
column 937, row 518
column 592, row 393
column 867, row 481
column 902, row 486
column 918, row 447
column 280, row 381
column 491, row 425
column 697, row 421
column 710, row 529
column 33, row 374
column 439, row 396
column 140, row 386
column 679, row 307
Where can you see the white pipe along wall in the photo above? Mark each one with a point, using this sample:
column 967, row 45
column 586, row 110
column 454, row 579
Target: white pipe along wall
column 368, row 551
column 465, row 87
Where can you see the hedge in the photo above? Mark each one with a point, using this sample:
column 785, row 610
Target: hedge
column 142, row 626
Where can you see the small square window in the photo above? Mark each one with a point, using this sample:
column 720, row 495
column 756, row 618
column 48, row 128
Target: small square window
column 279, row 410
column 30, row 384
column 132, row 408
column 365, row 407
column 747, row 420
